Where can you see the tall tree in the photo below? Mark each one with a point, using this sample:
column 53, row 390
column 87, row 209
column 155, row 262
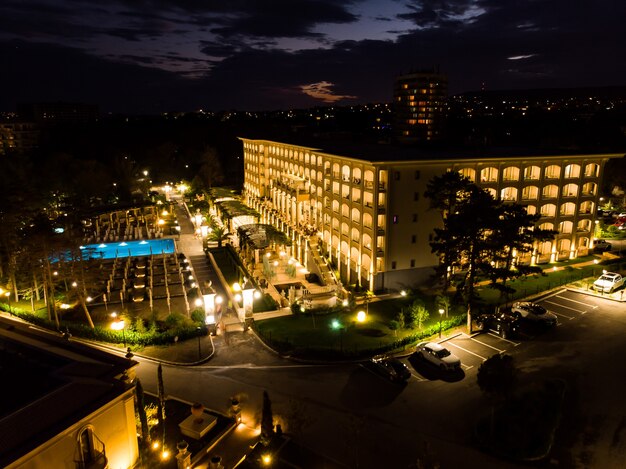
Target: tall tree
column 446, row 192
column 267, row 421
column 480, row 234
column 161, row 405
column 514, row 234
column 141, row 411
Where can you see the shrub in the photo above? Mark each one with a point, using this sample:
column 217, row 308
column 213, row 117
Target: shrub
column 174, row 320
column 197, row 315
column 139, row 326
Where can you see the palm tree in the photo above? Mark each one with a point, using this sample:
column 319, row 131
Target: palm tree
column 219, row 234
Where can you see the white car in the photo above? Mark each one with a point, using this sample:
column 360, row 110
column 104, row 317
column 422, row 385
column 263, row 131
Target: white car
column 438, row 355
column 608, row 282
column 533, row 312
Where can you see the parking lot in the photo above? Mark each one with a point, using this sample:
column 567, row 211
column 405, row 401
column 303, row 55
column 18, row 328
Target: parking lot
column 474, row 349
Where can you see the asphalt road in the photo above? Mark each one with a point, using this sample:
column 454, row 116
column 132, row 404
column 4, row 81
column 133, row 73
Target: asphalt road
column 360, row 419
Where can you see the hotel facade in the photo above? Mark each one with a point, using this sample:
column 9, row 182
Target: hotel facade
column 368, row 215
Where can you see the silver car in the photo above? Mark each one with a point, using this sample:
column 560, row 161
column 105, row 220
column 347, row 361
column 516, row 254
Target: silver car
column 533, row 312
column 438, row 355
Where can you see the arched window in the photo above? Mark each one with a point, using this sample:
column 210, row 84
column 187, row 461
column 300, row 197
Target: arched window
column 530, row 193
column 345, row 173
column 90, row 448
column 366, row 262
column 548, row 210
column 567, row 209
column 570, row 190
column 508, row 194
column 547, row 226
column 590, row 188
column 571, row 171
column 586, row 207
column 356, row 215
column 489, row 174
column 356, row 175
column 368, row 179
column 510, row 174
column 367, row 220
column 531, row 209
column 564, row 245
column 583, row 225
column 566, row 227
column 335, row 206
column 532, row 173
column 356, row 235
column 336, row 170
column 344, row 229
column 545, row 248
column 468, row 173
column 345, row 210
column 592, row 170
column 492, row 192
column 550, row 192
column 553, row 172
column 367, row 241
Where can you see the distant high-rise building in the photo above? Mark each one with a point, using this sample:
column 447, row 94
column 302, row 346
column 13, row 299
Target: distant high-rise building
column 18, row 137
column 419, row 103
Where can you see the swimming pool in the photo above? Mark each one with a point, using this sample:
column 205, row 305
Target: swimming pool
column 115, row 249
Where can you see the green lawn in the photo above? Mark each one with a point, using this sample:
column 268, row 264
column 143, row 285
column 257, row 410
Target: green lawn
column 536, row 284
column 340, row 334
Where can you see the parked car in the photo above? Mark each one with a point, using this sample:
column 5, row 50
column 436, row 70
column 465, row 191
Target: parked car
column 390, row 368
column 601, row 245
column 504, row 324
column 533, row 312
column 608, row 282
column 438, row 355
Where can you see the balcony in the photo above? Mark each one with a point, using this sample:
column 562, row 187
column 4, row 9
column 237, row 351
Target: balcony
column 382, row 187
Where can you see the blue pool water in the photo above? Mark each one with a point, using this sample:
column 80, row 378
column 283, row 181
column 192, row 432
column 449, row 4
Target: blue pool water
column 128, row 248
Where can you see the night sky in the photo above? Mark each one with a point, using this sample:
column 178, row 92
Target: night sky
column 147, row 56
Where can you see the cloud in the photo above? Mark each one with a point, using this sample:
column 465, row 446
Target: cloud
column 248, row 54
column 323, row 91
column 521, row 57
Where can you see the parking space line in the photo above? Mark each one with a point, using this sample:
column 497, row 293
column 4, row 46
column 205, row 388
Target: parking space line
column 581, row 311
column 465, row 350
column 576, row 301
column 467, row 367
column 419, row 378
column 563, row 315
column 490, row 346
column 493, row 334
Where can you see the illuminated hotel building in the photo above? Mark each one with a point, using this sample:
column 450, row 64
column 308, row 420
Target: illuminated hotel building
column 370, row 215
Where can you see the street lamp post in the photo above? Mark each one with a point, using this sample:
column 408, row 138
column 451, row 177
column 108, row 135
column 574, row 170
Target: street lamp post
column 441, row 311
column 119, row 326
column 199, row 349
